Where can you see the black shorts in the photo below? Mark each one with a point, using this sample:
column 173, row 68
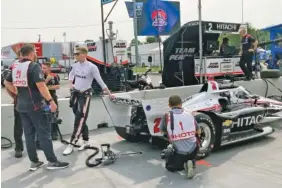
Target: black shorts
column 176, row 161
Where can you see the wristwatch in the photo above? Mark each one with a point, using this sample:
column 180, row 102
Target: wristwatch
column 50, row 100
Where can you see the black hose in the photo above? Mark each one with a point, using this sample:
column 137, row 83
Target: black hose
column 87, row 162
column 275, row 97
column 6, row 146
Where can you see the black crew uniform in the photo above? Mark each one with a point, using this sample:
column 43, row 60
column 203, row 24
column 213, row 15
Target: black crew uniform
column 247, row 57
column 54, row 81
column 31, row 107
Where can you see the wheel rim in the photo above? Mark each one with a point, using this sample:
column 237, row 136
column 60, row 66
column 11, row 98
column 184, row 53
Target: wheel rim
column 205, row 136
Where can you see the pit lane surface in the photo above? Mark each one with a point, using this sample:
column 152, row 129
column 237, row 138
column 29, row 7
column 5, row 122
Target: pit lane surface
column 255, row 164
column 64, row 90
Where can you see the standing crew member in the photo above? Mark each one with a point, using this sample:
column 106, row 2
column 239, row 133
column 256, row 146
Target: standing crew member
column 18, row 129
column 83, row 72
column 27, row 82
column 181, row 129
column 53, row 83
column 249, row 46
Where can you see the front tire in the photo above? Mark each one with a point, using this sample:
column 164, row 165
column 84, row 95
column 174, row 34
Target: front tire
column 207, row 137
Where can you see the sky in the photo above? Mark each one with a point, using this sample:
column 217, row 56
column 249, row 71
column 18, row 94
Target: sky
column 81, row 19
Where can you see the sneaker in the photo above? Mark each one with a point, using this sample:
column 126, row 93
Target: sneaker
column 54, row 137
column 189, row 169
column 84, row 145
column 57, row 165
column 35, row 166
column 18, row 153
column 68, row 150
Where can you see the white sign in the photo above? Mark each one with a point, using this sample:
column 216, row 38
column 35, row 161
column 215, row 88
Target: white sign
column 218, row 66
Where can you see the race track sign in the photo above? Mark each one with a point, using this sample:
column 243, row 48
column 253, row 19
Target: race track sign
column 220, row 27
column 106, row 1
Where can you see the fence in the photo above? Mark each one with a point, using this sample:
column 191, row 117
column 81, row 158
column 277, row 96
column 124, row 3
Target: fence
column 143, row 59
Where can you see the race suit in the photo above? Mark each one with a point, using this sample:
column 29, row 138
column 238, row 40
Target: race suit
column 182, row 137
column 83, row 73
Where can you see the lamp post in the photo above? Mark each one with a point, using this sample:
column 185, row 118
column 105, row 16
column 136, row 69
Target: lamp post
column 242, row 7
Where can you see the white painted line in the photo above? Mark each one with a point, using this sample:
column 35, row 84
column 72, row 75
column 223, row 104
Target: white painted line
column 60, row 99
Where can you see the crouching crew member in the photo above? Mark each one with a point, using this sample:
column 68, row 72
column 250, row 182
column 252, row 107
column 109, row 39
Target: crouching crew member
column 53, row 83
column 84, row 72
column 181, row 128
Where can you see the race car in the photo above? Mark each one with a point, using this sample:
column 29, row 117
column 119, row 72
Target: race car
column 226, row 114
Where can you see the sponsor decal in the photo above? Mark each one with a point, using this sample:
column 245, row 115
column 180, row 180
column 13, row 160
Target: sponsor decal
column 159, row 19
column 91, row 47
column 182, row 135
column 182, row 53
column 227, row 123
column 124, row 101
column 247, row 121
column 213, row 65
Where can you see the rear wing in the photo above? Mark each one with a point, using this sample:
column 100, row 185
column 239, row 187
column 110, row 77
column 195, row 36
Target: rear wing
column 120, row 109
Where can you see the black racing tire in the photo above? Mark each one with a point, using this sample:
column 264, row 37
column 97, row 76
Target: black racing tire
column 270, row 74
column 207, row 126
column 121, row 131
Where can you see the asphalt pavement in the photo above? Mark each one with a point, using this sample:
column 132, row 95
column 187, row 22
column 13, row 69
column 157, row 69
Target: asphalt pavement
column 64, row 90
column 255, row 164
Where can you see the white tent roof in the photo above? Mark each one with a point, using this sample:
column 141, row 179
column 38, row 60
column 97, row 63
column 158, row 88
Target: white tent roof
column 156, row 49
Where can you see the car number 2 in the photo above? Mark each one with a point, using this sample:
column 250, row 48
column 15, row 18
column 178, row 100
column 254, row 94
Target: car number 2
column 157, row 123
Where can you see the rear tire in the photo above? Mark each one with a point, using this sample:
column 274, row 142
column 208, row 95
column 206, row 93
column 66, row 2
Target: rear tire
column 208, row 135
column 121, row 131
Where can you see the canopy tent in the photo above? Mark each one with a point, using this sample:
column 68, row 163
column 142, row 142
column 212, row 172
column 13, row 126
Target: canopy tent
column 182, row 47
column 275, row 48
column 156, row 50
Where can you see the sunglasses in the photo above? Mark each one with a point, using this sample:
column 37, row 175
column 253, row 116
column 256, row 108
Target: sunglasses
column 76, row 54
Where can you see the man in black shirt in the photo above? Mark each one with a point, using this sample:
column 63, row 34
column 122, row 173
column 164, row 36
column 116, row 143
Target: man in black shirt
column 249, row 46
column 53, row 83
column 18, row 129
column 225, row 43
column 27, row 82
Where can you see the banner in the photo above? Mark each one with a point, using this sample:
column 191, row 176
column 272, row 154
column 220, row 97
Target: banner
column 129, row 7
column 106, row 1
column 159, row 18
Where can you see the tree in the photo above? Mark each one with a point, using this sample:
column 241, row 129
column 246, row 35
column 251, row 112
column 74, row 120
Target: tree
column 234, row 39
column 132, row 42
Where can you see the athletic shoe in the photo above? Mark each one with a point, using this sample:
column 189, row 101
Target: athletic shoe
column 57, row 165
column 84, row 145
column 18, row 153
column 189, row 169
column 35, row 166
column 68, row 150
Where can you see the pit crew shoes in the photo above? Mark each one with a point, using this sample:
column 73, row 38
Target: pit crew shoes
column 189, row 169
column 84, row 145
column 68, row 150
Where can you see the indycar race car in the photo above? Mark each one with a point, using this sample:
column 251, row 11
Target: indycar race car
column 226, row 115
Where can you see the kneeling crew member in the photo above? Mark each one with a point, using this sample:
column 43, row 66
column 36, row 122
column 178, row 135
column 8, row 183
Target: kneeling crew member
column 53, row 83
column 84, row 72
column 181, row 128
column 27, row 82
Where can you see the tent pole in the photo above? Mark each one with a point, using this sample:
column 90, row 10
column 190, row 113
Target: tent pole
column 200, row 39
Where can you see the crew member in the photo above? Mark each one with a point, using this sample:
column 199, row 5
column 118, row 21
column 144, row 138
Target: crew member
column 27, row 82
column 181, row 129
column 18, row 129
column 225, row 42
column 248, row 47
column 53, row 83
column 272, row 63
column 84, row 72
